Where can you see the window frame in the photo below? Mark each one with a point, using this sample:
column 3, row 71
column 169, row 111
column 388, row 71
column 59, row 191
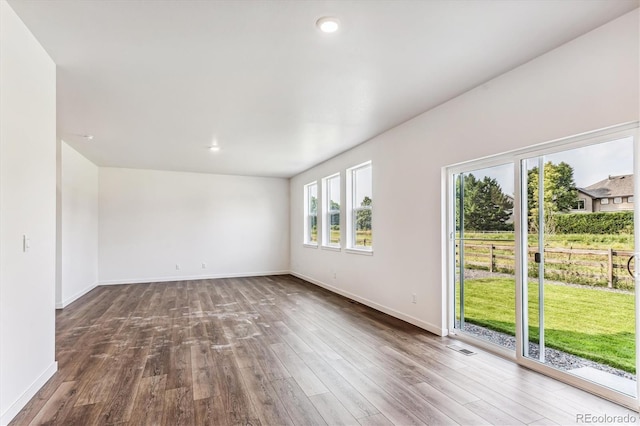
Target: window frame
column 448, row 248
column 353, row 208
column 604, row 201
column 617, row 200
column 308, row 215
column 327, row 212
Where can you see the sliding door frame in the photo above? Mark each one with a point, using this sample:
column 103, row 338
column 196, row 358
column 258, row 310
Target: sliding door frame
column 517, row 157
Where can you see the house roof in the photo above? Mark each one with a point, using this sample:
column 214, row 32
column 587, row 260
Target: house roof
column 613, row 186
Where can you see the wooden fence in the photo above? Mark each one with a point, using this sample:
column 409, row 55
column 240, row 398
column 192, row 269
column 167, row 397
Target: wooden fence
column 600, row 267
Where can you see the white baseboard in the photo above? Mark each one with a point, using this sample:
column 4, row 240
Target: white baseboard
column 190, row 277
column 408, row 318
column 70, row 300
column 26, row 396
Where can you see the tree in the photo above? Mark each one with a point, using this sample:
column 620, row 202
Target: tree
column 363, row 217
column 313, row 205
column 334, row 218
column 313, row 215
column 486, row 207
column 560, row 194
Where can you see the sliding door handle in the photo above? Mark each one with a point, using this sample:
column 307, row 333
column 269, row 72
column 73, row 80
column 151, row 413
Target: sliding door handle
column 629, row 266
column 537, row 258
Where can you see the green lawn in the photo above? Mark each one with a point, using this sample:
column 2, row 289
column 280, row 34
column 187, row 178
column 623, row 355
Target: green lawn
column 593, row 324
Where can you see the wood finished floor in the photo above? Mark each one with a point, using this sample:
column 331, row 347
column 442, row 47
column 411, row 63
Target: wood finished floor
column 276, row 351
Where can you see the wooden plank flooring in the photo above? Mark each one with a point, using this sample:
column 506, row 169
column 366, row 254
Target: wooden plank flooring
column 276, row 351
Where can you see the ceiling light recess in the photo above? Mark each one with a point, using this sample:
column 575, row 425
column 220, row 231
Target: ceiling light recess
column 328, row 24
column 214, row 148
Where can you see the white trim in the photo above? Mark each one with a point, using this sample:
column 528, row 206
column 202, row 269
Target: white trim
column 350, row 191
column 446, row 213
column 70, row 300
column 384, row 309
column 364, row 252
column 327, row 213
column 29, row 393
column 358, row 166
column 521, row 259
column 190, row 277
column 331, row 176
column 636, row 231
column 308, row 214
column 309, row 245
column 548, row 147
column 331, row 248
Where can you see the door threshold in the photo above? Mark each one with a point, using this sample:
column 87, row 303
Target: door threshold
column 617, row 383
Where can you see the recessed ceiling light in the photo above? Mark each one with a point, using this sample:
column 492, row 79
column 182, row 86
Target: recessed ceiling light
column 214, row 148
column 88, row 137
column 328, row 24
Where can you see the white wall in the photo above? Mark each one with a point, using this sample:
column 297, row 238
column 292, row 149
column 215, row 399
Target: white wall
column 587, row 84
column 79, row 226
column 27, row 207
column 152, row 220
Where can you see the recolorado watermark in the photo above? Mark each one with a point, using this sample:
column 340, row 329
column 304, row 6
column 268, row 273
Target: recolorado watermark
column 588, row 418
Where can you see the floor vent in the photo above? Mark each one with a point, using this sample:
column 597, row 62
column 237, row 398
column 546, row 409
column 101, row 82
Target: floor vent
column 461, row 350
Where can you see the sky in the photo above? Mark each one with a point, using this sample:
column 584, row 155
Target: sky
column 590, row 164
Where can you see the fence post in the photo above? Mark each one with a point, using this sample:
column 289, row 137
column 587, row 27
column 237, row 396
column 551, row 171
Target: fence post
column 491, row 258
column 610, row 271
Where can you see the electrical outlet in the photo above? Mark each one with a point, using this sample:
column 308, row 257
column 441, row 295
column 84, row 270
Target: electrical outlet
column 204, row 265
column 177, row 266
column 414, row 298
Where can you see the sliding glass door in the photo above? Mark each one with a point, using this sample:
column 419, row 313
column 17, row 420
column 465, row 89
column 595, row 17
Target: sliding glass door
column 578, row 225
column 485, row 284
column 543, row 247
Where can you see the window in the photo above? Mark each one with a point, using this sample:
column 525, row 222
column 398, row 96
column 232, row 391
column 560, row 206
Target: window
column 360, row 198
column 604, row 201
column 331, row 211
column 630, row 199
column 617, row 200
column 311, row 213
column 580, row 204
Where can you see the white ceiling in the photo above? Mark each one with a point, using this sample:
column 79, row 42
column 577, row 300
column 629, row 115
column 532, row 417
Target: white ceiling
column 157, row 81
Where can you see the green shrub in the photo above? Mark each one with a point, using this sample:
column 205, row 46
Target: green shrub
column 594, row 223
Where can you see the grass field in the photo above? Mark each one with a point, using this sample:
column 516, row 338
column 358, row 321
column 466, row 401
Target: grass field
column 615, row 241
column 590, row 323
column 363, row 238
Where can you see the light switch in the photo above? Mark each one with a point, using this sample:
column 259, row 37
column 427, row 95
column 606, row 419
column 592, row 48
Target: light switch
column 26, row 243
